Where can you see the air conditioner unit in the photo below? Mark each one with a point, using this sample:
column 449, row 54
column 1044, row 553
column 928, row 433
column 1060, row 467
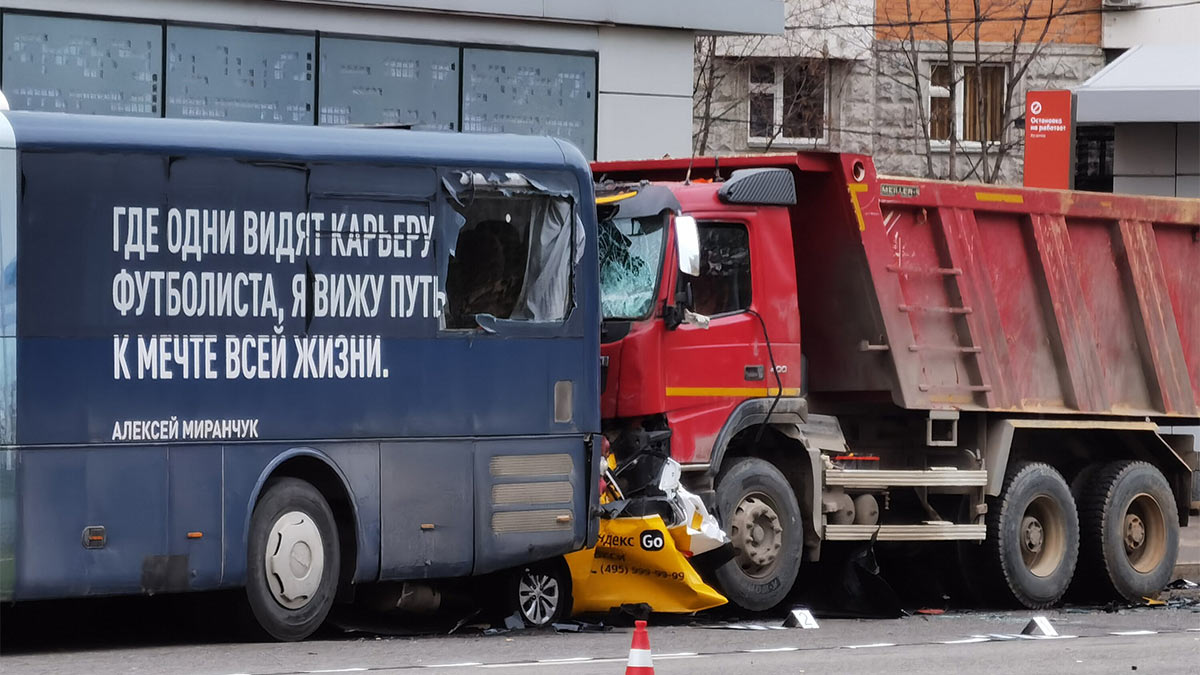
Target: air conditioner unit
column 1121, row 4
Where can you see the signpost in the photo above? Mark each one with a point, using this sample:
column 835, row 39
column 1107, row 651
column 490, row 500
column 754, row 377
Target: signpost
column 1048, row 132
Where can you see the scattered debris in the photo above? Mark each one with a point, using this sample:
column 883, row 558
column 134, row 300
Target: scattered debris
column 514, row 622
column 931, row 611
column 580, row 627
column 463, row 621
column 1182, row 584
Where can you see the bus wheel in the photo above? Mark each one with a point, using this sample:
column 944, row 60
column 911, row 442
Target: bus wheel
column 293, row 559
column 1032, row 536
column 540, row 593
column 1130, row 529
column 759, row 512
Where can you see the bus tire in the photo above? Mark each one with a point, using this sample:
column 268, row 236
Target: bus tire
column 1130, row 531
column 1032, row 540
column 759, row 512
column 292, row 561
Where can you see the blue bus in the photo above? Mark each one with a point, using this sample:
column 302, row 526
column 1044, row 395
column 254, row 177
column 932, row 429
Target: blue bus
column 294, row 360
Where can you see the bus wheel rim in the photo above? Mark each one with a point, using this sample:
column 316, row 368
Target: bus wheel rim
column 294, row 559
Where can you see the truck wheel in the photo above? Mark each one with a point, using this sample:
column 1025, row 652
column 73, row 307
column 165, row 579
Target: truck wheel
column 1032, row 536
column 292, row 560
column 1130, row 530
column 540, row 593
column 759, row 512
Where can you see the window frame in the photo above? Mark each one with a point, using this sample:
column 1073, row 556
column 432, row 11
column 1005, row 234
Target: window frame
column 744, row 227
column 503, row 326
column 776, row 90
column 958, row 105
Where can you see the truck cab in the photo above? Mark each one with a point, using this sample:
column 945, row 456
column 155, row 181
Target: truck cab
column 701, row 341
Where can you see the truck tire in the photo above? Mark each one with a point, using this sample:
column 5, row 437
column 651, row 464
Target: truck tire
column 759, row 511
column 293, row 560
column 540, row 593
column 1130, row 531
column 1032, row 540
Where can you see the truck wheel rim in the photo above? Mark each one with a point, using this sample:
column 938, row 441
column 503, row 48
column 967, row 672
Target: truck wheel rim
column 294, row 559
column 757, row 535
column 538, row 596
column 1043, row 536
column 1144, row 533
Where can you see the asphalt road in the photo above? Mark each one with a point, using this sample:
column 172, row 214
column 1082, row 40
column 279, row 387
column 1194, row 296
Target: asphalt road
column 192, row 634
column 1155, row 640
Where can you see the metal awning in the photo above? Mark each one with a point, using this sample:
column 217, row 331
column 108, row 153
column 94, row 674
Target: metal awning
column 1148, row 83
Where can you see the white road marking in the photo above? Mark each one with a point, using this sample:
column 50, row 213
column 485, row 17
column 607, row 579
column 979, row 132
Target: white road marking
column 870, row 646
column 337, row 670
column 566, row 660
column 464, row 664
column 967, row 641
column 772, row 649
column 1135, row 632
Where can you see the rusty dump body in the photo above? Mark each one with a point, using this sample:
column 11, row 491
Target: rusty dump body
column 981, row 297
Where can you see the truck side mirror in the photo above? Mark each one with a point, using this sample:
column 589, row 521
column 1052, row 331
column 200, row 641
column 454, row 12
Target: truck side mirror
column 687, row 243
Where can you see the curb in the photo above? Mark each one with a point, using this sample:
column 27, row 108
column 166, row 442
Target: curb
column 1187, row 571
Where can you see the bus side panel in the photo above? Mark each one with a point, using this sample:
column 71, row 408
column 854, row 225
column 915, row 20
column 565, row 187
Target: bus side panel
column 427, row 509
column 60, row 492
column 247, row 467
column 533, row 500
column 194, row 532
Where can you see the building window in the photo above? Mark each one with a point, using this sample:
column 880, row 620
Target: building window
column 976, row 84
column 723, row 286
column 788, row 100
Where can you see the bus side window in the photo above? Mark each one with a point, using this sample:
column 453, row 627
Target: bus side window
column 513, row 259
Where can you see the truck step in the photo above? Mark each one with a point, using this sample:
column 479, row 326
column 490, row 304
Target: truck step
column 944, row 271
column 954, row 387
column 884, row 478
column 925, row 532
column 935, row 309
column 944, row 348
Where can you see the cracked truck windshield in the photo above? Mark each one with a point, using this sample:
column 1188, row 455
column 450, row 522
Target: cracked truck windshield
column 632, row 238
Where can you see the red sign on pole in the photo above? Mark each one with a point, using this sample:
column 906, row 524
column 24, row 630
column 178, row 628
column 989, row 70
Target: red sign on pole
column 1048, row 139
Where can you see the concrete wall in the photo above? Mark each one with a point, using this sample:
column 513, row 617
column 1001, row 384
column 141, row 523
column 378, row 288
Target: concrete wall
column 1157, row 159
column 645, row 74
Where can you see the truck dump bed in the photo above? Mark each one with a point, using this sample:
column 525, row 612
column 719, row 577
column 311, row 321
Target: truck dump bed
column 954, row 295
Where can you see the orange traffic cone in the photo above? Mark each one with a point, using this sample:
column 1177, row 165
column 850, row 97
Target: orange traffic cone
column 640, row 662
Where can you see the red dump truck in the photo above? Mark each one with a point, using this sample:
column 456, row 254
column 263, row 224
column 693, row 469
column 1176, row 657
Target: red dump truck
column 834, row 355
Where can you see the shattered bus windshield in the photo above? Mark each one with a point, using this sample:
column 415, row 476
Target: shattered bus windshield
column 631, row 251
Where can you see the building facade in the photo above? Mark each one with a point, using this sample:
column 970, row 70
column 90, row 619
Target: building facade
column 926, row 95
column 614, row 78
column 1141, row 114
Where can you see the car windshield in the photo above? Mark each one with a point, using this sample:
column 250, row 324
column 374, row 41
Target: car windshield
column 631, row 251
